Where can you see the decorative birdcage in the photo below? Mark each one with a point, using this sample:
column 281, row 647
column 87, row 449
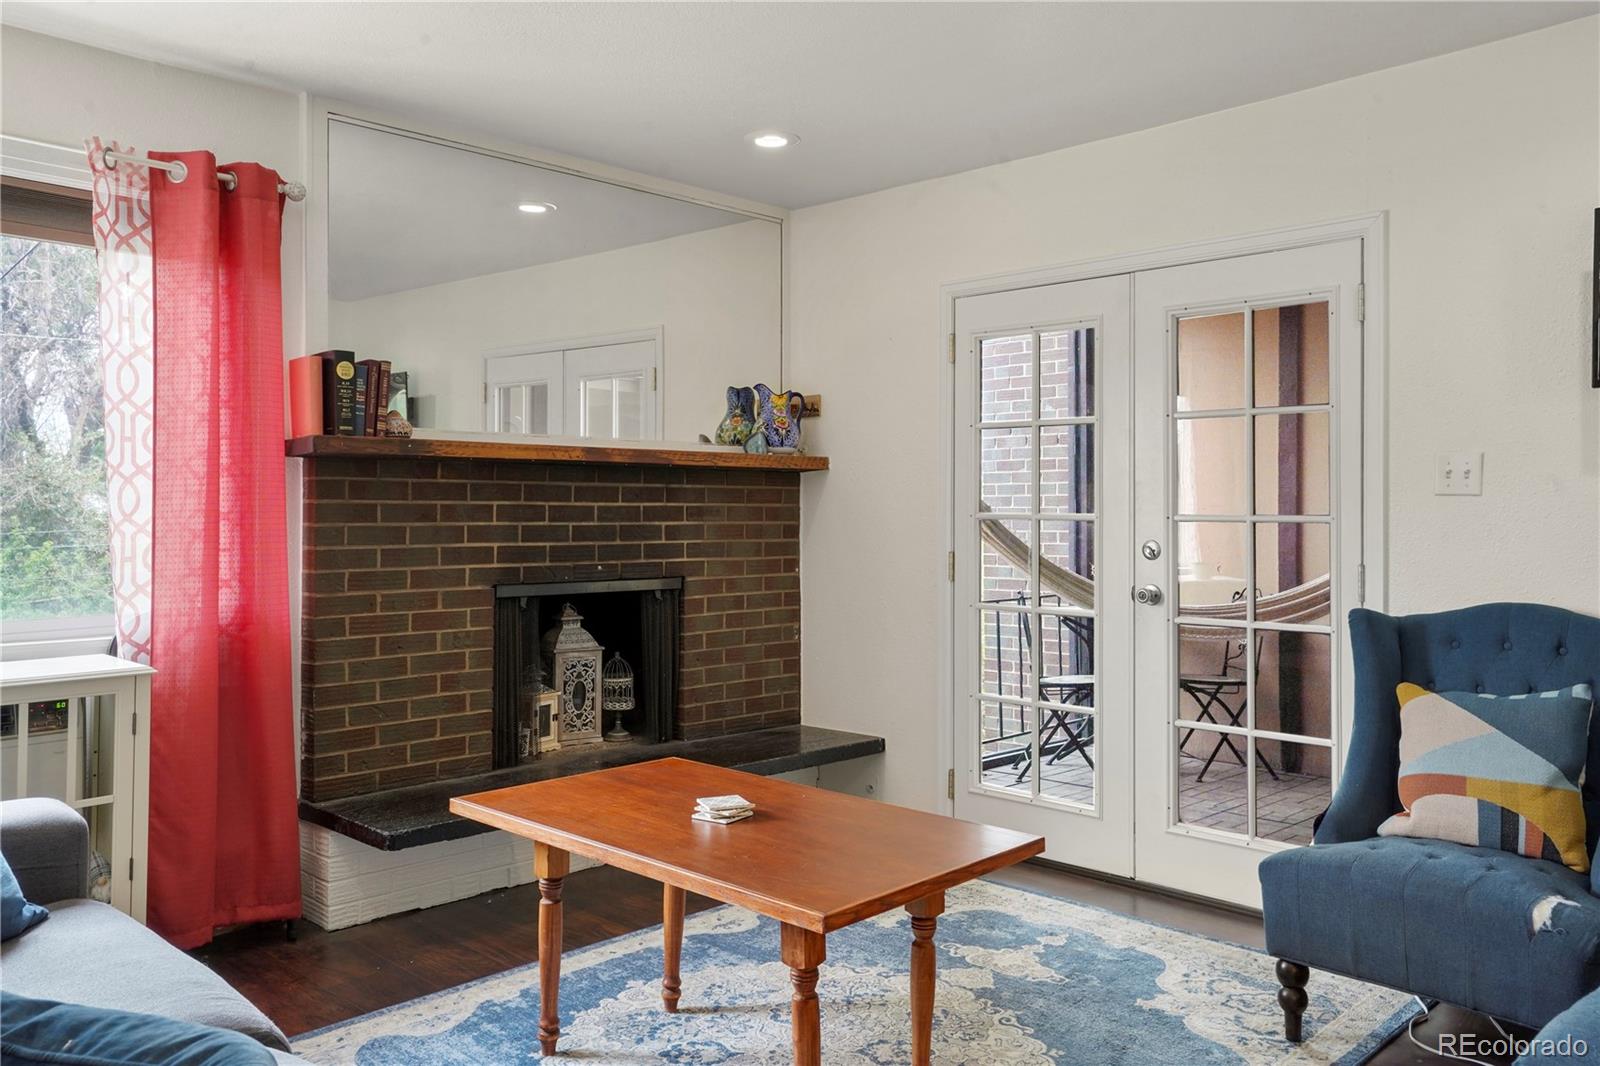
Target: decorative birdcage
column 617, row 686
column 574, row 658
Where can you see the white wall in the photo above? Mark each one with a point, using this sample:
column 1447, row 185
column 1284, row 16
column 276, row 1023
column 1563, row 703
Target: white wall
column 1488, row 163
column 716, row 293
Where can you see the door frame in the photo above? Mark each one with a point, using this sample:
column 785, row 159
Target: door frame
column 1371, row 229
column 654, row 334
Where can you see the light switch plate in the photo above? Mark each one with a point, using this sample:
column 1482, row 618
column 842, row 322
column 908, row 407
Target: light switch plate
column 1458, row 474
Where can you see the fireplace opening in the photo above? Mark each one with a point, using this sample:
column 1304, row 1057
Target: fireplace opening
column 555, row 645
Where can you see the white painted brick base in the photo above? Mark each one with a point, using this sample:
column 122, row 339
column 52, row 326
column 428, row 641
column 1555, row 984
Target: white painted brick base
column 344, row 882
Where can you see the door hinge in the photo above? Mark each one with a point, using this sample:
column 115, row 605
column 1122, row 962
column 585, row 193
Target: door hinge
column 1361, row 584
column 1361, row 302
column 135, row 723
column 130, row 868
column 952, row 347
column 950, row 783
column 950, row 566
column 652, row 379
column 485, row 392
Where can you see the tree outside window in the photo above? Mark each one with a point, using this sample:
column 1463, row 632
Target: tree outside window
column 54, row 544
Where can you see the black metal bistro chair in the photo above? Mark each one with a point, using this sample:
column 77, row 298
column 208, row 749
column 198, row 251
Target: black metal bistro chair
column 1219, row 691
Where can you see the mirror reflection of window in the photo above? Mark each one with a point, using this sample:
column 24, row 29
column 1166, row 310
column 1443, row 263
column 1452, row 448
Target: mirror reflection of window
column 613, row 408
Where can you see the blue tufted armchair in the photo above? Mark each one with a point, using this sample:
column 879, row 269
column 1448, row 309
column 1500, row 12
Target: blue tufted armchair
column 1515, row 938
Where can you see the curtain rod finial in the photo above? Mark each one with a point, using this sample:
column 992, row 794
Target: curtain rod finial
column 294, row 190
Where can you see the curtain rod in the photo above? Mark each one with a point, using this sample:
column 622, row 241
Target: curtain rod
column 293, row 190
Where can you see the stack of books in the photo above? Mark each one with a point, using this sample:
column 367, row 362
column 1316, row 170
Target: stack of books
column 722, row 809
column 335, row 394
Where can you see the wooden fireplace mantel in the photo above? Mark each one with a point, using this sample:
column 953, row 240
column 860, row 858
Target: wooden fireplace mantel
column 706, row 456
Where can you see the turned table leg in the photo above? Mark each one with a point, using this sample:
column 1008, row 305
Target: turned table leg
column 803, row 952
column 550, row 865
column 672, row 945
column 924, row 919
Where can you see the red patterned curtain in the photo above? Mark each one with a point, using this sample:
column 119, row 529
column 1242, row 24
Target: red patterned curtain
column 191, row 327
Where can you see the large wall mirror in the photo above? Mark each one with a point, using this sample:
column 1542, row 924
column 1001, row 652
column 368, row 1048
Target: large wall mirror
column 529, row 300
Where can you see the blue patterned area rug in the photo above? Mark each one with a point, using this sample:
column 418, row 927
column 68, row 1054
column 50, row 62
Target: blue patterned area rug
column 1023, row 978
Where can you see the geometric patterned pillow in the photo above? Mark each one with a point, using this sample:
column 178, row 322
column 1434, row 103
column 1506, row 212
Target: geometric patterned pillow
column 1495, row 771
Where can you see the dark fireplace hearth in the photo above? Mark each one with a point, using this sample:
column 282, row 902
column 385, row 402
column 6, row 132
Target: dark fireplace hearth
column 638, row 619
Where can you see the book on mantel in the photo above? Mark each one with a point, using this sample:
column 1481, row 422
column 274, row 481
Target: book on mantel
column 338, row 392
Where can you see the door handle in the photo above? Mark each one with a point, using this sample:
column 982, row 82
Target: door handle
column 1149, row 595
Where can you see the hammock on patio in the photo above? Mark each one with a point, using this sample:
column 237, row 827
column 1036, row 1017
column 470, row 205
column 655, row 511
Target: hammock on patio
column 1306, row 602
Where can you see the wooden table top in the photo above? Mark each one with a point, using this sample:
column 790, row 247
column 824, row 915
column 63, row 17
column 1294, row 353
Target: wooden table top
column 815, row 859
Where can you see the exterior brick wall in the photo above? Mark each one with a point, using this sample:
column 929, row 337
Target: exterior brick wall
column 401, row 560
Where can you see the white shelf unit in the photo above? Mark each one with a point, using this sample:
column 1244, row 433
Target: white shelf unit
column 54, row 764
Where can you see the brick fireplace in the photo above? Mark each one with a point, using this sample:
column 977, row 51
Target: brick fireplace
column 404, row 551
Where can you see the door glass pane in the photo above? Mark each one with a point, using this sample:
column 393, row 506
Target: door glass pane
column 630, row 407
column 1292, row 464
column 1006, row 469
column 1292, row 787
column 1006, row 547
column 1005, row 651
column 1211, row 674
column 1036, row 583
column 1066, row 570
column 597, row 408
column 1213, row 788
column 510, row 400
column 1294, row 679
column 539, row 408
column 1212, row 476
column 1212, row 564
column 1066, row 748
column 1292, row 572
column 1006, row 364
column 1066, row 659
column 1006, row 745
column 1066, row 373
column 1291, row 355
column 1066, row 469
column 1211, row 362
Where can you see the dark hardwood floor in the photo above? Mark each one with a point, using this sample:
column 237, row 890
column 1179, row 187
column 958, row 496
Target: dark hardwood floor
column 322, row 977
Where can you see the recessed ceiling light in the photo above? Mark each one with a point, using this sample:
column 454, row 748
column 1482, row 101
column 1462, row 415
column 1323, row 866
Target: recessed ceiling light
column 536, row 207
column 772, row 139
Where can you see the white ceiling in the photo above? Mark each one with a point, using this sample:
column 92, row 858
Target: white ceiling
column 404, row 213
column 881, row 93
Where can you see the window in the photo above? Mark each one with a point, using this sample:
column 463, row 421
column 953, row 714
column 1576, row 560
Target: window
column 55, row 567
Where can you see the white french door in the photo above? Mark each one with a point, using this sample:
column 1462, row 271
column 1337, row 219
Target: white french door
column 1158, row 533
column 1044, row 718
column 1248, row 492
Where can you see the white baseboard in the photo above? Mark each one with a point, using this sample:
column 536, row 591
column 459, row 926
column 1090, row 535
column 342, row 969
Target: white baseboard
column 344, row 882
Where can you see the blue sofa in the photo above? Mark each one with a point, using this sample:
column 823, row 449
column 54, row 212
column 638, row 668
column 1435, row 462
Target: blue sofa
column 1514, row 938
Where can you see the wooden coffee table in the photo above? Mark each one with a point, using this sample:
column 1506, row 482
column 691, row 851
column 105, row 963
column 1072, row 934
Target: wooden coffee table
column 813, row 860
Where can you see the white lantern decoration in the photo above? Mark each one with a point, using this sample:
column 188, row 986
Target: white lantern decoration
column 575, row 673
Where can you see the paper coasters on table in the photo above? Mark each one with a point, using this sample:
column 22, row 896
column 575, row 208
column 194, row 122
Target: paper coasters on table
column 722, row 809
